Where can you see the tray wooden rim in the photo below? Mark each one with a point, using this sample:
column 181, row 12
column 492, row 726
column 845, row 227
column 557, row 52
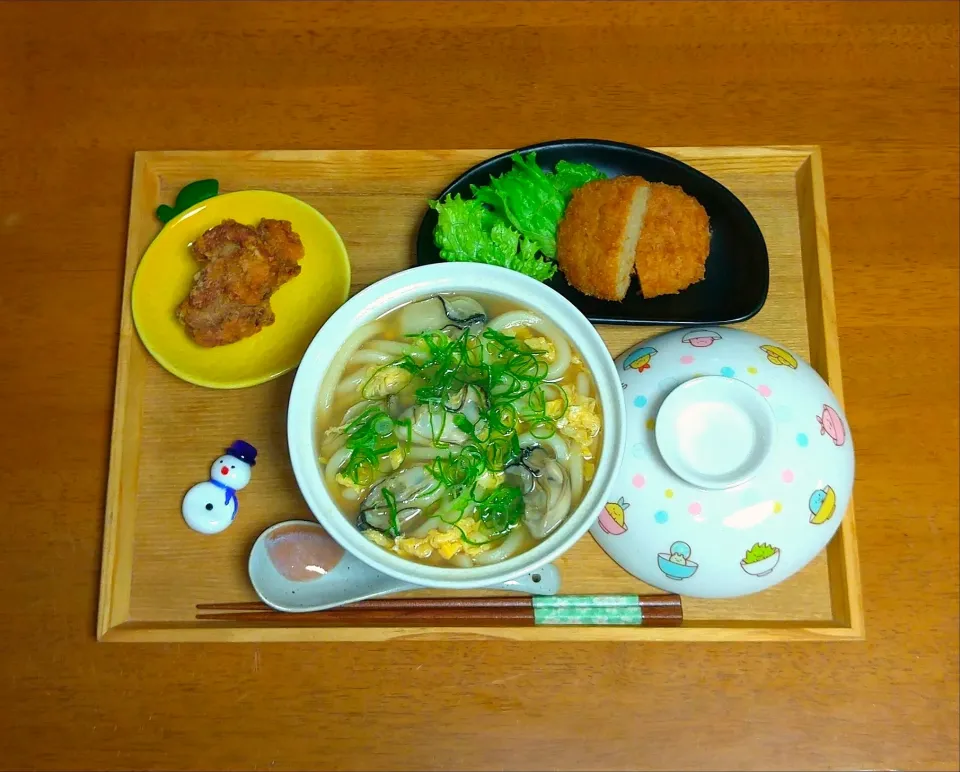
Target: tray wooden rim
column 114, row 624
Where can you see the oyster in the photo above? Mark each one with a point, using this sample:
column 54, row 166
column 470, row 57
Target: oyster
column 413, row 490
column 546, row 489
column 442, row 312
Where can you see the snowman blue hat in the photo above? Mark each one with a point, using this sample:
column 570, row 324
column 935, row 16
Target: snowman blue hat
column 244, row 451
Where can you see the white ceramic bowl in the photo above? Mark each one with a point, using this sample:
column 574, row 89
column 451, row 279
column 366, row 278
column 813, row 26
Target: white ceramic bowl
column 401, row 288
column 738, row 467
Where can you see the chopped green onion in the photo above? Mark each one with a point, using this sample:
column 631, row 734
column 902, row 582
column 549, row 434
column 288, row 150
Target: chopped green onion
column 506, row 377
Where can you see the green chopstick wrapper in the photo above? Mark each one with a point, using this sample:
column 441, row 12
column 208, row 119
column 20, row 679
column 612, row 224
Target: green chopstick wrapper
column 587, row 610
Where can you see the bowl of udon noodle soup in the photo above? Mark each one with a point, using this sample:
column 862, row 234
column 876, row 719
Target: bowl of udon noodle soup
column 456, row 425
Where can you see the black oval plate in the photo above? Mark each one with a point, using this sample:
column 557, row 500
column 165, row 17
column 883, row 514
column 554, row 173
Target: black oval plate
column 737, row 271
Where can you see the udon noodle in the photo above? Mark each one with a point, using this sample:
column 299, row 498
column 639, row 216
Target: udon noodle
column 458, row 430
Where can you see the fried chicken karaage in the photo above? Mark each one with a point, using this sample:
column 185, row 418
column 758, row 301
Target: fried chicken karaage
column 241, row 267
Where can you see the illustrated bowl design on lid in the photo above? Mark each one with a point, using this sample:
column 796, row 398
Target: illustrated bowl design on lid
column 639, row 359
column 737, row 452
column 613, row 517
column 701, row 338
column 676, row 564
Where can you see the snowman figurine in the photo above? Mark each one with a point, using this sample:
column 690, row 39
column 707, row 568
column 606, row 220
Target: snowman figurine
column 211, row 506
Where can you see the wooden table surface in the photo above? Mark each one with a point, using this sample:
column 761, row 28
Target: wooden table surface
column 82, row 86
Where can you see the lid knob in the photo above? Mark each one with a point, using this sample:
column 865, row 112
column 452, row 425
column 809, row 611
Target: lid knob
column 715, row 432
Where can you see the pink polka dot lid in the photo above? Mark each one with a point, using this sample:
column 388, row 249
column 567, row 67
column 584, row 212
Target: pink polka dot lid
column 738, row 467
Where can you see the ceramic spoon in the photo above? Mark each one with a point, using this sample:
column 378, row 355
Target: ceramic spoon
column 295, row 566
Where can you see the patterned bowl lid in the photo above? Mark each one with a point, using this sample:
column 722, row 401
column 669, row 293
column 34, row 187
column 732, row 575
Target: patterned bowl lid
column 738, row 467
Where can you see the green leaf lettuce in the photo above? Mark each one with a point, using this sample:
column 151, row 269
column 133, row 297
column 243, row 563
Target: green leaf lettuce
column 513, row 218
column 569, row 177
column 468, row 232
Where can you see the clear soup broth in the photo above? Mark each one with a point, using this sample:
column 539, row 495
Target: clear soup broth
column 458, row 430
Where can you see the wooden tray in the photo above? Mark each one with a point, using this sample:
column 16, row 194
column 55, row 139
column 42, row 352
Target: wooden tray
column 165, row 432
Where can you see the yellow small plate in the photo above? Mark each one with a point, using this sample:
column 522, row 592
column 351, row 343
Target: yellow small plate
column 301, row 306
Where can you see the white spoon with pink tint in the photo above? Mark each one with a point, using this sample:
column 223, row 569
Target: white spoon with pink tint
column 296, row 566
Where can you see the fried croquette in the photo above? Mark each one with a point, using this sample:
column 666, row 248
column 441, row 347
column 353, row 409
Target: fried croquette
column 241, row 267
column 672, row 250
column 597, row 237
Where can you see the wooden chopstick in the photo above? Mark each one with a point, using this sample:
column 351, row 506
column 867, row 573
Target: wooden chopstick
column 398, row 617
column 513, row 601
column 648, row 610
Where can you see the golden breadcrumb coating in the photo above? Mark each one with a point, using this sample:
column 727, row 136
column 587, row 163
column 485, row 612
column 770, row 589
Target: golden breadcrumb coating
column 674, row 244
column 597, row 236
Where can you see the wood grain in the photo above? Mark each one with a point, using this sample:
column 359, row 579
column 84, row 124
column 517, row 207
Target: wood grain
column 82, row 86
column 156, row 570
column 428, row 614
